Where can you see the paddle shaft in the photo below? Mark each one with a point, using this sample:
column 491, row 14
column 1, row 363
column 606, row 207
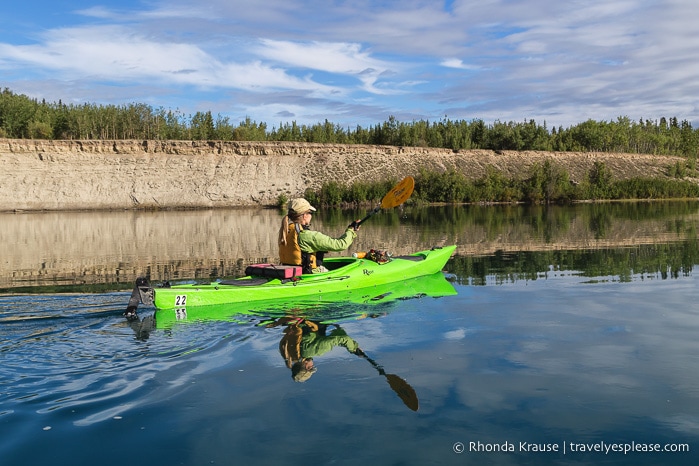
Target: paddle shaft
column 369, row 215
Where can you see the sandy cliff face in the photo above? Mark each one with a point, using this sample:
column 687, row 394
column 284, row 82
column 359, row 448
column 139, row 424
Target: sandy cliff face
column 85, row 175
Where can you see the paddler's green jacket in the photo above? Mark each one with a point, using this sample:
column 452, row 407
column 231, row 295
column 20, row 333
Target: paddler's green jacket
column 313, row 241
column 304, row 247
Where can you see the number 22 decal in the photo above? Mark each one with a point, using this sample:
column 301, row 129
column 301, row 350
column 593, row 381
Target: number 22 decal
column 181, row 300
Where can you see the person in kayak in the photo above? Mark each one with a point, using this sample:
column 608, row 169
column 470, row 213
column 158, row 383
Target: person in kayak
column 299, row 245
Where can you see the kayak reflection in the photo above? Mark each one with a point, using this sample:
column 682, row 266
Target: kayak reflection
column 311, row 327
column 344, row 305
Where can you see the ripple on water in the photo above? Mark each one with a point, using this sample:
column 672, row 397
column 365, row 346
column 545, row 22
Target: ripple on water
column 78, row 355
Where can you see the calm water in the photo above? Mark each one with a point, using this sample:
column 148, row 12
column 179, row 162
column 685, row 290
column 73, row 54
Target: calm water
column 560, row 329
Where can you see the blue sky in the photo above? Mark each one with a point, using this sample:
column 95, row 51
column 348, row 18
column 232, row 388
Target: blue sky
column 359, row 62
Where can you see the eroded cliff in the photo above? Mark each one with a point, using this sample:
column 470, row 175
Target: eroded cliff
column 87, row 175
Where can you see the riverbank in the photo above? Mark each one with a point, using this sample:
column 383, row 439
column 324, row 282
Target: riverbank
column 116, row 175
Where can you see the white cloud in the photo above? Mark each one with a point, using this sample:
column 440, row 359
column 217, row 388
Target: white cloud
column 458, row 64
column 542, row 59
column 332, row 57
column 118, row 54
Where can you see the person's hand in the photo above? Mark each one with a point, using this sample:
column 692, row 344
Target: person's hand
column 354, row 225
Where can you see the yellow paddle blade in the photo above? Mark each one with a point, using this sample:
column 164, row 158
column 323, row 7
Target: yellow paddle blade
column 399, row 194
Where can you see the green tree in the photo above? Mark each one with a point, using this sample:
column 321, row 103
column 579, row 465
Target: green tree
column 202, row 126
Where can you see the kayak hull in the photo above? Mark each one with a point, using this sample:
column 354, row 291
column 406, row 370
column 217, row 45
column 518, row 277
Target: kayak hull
column 346, row 274
column 326, row 308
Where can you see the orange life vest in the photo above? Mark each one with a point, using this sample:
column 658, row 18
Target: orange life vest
column 290, row 253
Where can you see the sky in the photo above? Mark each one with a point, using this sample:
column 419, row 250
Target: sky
column 361, row 62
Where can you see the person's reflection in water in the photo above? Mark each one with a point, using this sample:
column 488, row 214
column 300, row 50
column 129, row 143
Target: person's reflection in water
column 305, row 339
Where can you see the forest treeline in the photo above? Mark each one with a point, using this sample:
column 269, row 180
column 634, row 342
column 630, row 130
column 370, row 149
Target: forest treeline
column 546, row 183
column 24, row 117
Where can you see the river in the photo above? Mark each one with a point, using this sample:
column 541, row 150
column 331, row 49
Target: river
column 556, row 335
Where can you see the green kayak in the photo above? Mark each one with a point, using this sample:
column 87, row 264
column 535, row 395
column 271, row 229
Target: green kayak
column 327, row 308
column 346, row 274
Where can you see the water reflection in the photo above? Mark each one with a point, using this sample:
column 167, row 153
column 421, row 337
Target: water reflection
column 625, row 264
column 310, row 329
column 305, row 339
column 87, row 248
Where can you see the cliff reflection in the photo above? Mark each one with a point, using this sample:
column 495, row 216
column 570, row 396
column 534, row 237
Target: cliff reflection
column 84, row 248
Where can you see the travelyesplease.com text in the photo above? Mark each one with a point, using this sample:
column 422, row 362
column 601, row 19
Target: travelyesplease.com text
column 567, row 447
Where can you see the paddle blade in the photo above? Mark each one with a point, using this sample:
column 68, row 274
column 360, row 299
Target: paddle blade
column 404, row 391
column 399, row 194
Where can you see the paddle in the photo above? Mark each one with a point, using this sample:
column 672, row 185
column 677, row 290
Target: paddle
column 395, row 197
column 400, row 386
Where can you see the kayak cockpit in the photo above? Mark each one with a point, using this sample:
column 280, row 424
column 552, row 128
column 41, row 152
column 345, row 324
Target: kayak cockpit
column 246, row 281
column 263, row 275
column 339, row 262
